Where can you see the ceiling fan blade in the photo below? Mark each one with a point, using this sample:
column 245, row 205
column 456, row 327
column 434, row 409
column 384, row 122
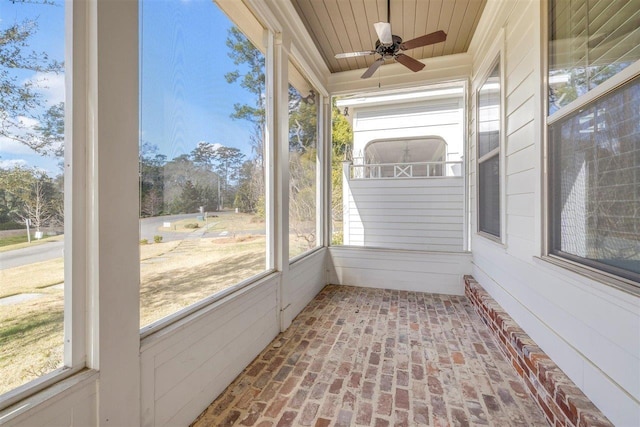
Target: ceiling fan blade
column 383, row 29
column 412, row 64
column 354, row 54
column 427, row 39
column 372, row 69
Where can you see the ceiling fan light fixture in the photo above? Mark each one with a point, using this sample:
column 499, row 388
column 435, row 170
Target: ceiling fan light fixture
column 391, row 46
column 383, row 29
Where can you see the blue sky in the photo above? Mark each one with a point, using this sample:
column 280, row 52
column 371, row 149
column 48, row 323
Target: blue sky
column 48, row 38
column 185, row 98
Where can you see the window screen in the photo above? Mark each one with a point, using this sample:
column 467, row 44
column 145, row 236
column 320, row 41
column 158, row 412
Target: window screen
column 489, row 154
column 595, row 182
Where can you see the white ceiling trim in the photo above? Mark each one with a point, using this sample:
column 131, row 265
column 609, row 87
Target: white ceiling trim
column 303, row 49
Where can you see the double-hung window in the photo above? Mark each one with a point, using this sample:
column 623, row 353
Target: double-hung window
column 489, row 125
column 594, row 136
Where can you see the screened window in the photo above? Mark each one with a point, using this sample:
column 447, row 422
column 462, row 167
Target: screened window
column 202, row 167
column 32, row 197
column 341, row 149
column 594, row 143
column 303, row 164
column 589, row 41
column 489, row 154
column 595, row 205
column 397, row 169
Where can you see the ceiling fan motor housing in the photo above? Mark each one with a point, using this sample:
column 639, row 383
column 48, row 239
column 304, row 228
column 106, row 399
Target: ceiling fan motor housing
column 388, row 51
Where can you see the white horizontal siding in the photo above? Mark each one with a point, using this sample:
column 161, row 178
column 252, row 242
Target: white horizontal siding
column 521, row 139
column 520, row 204
column 72, row 402
column 592, row 331
column 522, row 182
column 419, row 214
column 306, row 278
column 400, row 270
column 520, row 117
column 521, row 161
column 593, row 338
column 185, row 366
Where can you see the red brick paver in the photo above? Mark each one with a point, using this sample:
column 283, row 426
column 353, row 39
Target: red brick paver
column 561, row 401
column 372, row 357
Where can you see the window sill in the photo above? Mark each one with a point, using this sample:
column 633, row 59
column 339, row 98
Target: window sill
column 47, row 390
column 492, row 239
column 156, row 332
column 305, row 254
column 598, row 276
column 202, row 305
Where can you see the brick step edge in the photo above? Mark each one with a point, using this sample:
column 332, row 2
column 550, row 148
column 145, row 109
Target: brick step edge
column 562, row 402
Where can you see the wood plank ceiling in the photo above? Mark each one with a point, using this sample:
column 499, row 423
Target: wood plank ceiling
column 338, row 26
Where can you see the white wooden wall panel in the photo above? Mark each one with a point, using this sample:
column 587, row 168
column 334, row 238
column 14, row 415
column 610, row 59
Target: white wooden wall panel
column 520, row 204
column 521, row 139
column 522, row 182
column 520, row 161
column 307, row 277
column 420, row 214
column 521, row 93
column 521, row 116
column 572, row 322
column 401, row 270
column 65, row 406
column 185, row 366
column 183, row 401
column 592, row 331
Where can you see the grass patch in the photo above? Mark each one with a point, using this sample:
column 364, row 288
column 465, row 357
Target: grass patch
column 186, row 225
column 31, row 340
column 196, row 270
column 157, row 250
column 173, row 275
column 30, row 278
column 224, row 221
column 11, row 243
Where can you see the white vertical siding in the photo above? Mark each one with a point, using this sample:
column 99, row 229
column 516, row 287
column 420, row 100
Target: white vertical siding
column 424, row 214
column 592, row 331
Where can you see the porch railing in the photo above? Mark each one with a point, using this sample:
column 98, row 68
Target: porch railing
column 405, row 170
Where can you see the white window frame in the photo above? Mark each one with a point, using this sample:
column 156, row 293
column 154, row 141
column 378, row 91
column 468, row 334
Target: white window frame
column 494, row 56
column 75, row 224
column 322, row 96
column 613, row 83
column 253, row 28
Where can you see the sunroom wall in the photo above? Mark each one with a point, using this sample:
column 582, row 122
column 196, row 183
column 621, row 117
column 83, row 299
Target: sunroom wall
column 591, row 330
column 171, row 376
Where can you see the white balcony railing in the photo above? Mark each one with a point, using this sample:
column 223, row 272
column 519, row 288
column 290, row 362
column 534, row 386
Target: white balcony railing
column 418, row 206
column 405, row 170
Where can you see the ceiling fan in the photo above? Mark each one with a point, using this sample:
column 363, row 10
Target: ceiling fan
column 391, row 46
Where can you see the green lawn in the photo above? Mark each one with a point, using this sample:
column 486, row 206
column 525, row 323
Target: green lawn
column 16, row 242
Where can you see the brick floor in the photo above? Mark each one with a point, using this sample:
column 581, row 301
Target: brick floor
column 372, row 357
